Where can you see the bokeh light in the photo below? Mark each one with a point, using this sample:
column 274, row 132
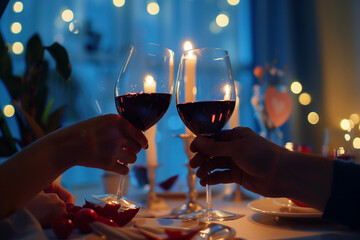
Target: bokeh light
column 214, row 28
column 67, row 15
column 222, row 20
column 355, row 118
column 233, row 2
column 347, row 137
column 73, row 27
column 153, row 8
column 296, row 87
column 16, row 27
column 356, row 143
column 18, row 7
column 313, row 118
column 9, row 110
column 345, row 124
column 305, row 99
column 17, row 48
column 119, row 3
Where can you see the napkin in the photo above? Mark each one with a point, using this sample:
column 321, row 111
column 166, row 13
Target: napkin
column 142, row 233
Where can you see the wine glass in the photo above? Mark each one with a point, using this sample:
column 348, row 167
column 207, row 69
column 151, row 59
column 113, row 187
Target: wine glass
column 143, row 93
column 205, row 99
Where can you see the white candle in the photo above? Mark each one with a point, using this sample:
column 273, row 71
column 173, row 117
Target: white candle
column 149, row 84
column 151, row 152
column 235, row 117
column 227, row 89
column 190, row 76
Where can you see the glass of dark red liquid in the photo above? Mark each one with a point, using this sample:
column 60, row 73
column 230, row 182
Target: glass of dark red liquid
column 205, row 99
column 143, row 93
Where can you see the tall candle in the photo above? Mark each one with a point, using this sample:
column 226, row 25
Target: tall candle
column 151, row 152
column 235, row 117
column 149, row 84
column 190, row 76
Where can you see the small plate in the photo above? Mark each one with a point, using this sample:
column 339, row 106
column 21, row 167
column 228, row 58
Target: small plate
column 279, row 207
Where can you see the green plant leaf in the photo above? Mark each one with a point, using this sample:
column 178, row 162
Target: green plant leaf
column 55, row 119
column 34, row 51
column 34, row 126
column 46, row 113
column 63, row 66
column 14, row 86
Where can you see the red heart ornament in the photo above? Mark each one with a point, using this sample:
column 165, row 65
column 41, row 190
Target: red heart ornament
column 278, row 106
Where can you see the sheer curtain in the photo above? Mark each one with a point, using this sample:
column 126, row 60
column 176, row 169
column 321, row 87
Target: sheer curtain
column 100, row 35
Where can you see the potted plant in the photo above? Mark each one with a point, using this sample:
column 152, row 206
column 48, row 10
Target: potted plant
column 29, row 93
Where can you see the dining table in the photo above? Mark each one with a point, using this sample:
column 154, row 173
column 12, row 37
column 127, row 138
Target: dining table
column 261, row 218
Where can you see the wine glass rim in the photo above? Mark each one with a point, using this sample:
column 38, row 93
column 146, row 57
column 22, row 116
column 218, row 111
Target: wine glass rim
column 154, row 44
column 208, row 48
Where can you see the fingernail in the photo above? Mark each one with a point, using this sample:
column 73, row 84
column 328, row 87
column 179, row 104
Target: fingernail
column 147, row 146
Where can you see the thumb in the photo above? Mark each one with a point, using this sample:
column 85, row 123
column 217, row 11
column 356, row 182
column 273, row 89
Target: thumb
column 212, row 147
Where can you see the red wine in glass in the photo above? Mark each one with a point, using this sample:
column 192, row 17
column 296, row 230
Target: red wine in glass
column 207, row 117
column 143, row 110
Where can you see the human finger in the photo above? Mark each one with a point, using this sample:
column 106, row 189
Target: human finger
column 63, row 194
column 131, row 145
column 125, row 156
column 135, row 134
column 198, row 160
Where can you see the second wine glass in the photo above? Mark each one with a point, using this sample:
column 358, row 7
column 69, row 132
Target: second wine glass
column 143, row 93
column 205, row 99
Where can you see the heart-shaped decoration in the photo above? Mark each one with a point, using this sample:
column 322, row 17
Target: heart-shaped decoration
column 278, row 106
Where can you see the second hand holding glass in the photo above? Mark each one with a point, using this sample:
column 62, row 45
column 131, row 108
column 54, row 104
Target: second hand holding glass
column 142, row 95
column 205, row 99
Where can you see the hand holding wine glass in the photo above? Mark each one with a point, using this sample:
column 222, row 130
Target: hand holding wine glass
column 143, row 93
column 205, row 100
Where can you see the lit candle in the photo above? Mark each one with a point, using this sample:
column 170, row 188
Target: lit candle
column 151, row 152
column 227, row 89
column 149, row 84
column 235, row 117
column 189, row 77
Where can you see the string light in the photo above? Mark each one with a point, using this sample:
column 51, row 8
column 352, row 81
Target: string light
column 345, row 124
column 16, row 27
column 305, row 99
column 222, row 20
column 9, row 110
column 67, row 15
column 356, row 143
column 153, row 8
column 17, row 48
column 119, row 3
column 313, row 118
column 233, row 2
column 18, row 7
column 296, row 87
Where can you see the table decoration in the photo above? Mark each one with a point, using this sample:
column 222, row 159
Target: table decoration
column 271, row 101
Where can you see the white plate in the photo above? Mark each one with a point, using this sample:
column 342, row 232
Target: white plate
column 279, row 207
column 210, row 230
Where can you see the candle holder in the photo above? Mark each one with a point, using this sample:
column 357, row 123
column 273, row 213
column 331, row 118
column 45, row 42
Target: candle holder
column 190, row 205
column 154, row 202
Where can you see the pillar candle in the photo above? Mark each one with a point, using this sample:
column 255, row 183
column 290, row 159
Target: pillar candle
column 235, row 117
column 151, row 152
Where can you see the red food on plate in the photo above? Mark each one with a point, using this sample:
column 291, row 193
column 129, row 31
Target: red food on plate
column 83, row 218
column 110, row 211
column 299, row 204
column 168, row 183
column 62, row 227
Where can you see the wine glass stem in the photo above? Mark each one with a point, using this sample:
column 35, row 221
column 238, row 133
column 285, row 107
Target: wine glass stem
column 120, row 187
column 208, row 196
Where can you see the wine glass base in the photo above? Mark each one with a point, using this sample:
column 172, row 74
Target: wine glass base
column 124, row 202
column 210, row 215
column 185, row 208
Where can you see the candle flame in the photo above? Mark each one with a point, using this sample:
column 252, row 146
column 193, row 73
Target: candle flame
column 149, row 79
column 188, row 46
